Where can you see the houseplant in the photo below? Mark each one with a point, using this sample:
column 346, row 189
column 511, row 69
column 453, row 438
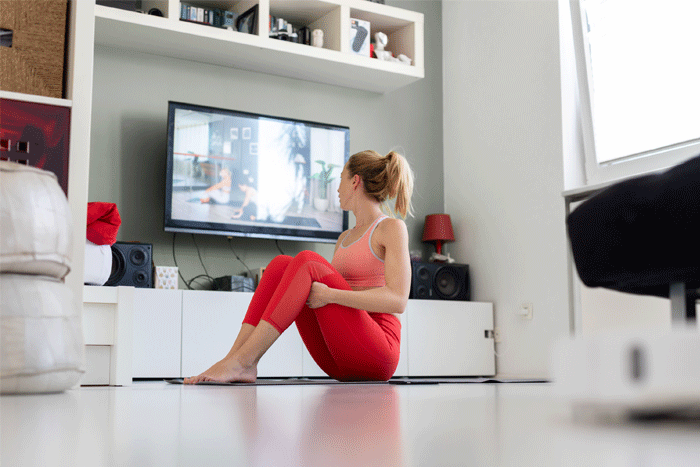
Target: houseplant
column 324, row 177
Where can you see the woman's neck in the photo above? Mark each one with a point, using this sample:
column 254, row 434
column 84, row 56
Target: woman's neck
column 365, row 215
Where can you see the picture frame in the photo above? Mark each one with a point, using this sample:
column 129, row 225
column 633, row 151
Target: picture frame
column 247, row 22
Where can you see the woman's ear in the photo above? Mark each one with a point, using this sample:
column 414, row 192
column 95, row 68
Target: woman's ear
column 356, row 181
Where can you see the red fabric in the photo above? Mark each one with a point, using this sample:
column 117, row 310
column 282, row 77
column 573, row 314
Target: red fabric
column 348, row 344
column 103, row 223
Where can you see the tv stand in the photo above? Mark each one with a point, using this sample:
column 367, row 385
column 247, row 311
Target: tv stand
column 179, row 333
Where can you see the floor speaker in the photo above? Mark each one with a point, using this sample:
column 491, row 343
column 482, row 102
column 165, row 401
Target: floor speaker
column 132, row 265
column 440, row 281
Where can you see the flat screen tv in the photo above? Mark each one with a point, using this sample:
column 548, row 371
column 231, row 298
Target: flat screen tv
column 241, row 174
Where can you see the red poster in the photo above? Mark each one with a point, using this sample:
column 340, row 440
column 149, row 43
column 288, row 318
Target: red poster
column 37, row 135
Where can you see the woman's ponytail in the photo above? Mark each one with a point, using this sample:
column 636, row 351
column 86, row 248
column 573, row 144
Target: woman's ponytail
column 385, row 177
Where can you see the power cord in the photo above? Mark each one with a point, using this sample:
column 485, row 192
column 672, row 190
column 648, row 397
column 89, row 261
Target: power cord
column 230, row 244
column 179, row 271
column 277, row 242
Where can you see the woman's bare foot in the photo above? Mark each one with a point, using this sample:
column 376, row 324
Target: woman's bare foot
column 228, row 370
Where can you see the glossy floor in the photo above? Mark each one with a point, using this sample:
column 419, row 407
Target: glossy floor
column 156, row 424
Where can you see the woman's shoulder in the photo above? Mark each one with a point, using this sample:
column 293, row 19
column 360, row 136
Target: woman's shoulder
column 392, row 228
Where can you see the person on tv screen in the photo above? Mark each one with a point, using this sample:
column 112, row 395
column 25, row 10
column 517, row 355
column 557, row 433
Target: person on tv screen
column 345, row 310
column 219, row 193
column 249, row 209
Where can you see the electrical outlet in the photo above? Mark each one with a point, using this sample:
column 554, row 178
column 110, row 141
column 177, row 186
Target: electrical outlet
column 525, row 311
column 496, row 335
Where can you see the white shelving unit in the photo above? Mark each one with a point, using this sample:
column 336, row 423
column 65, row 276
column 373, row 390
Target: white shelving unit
column 78, row 97
column 183, row 332
column 333, row 64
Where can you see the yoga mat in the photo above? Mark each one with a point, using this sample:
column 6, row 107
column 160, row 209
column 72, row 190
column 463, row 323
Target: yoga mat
column 323, row 381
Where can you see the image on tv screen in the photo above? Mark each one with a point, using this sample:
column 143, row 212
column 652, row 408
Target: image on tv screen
column 236, row 173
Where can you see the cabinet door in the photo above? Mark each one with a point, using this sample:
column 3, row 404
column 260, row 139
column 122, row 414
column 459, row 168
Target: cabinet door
column 210, row 323
column 156, row 329
column 448, row 338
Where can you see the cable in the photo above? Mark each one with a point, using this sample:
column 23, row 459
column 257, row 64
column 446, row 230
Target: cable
column 230, row 244
column 277, row 242
column 179, row 271
column 200, row 256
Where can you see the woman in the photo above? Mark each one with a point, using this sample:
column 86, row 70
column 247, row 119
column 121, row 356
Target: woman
column 344, row 310
column 219, row 193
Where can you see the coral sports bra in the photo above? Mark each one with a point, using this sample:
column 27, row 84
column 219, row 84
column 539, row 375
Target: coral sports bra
column 357, row 262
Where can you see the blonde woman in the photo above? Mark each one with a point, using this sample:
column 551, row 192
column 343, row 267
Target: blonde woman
column 345, row 310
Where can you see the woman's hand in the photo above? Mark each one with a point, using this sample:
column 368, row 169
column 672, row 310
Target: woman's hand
column 320, row 295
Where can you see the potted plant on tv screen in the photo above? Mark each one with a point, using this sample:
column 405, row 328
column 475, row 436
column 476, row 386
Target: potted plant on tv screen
column 324, row 178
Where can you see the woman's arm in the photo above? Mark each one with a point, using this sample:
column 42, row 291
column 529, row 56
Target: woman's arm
column 391, row 298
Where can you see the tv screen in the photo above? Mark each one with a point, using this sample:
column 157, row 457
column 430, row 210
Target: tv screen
column 241, row 174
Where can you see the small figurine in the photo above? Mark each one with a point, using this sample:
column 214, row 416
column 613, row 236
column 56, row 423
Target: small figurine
column 317, row 38
column 380, row 42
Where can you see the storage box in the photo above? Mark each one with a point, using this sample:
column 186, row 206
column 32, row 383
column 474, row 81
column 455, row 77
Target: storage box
column 33, row 46
column 359, row 37
column 166, row 277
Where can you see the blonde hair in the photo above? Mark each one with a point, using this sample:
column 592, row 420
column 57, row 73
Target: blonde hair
column 384, row 177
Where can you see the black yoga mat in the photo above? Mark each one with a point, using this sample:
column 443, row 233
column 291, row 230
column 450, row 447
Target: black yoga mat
column 324, row 381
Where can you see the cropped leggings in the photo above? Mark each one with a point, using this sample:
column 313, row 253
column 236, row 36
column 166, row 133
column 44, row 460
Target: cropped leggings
column 346, row 343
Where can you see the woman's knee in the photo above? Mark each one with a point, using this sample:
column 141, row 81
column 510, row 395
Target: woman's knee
column 280, row 261
column 308, row 255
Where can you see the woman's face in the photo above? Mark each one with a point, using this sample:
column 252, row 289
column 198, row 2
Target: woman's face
column 345, row 189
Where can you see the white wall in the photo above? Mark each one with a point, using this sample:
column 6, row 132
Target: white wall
column 504, row 171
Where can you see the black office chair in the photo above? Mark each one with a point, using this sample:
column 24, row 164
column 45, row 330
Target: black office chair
column 642, row 236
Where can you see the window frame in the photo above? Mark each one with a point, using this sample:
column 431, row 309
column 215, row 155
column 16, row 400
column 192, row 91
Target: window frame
column 634, row 164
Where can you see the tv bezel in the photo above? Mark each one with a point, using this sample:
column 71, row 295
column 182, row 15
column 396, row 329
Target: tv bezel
column 265, row 232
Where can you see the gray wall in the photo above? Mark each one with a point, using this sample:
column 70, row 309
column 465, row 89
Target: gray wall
column 504, row 177
column 129, row 130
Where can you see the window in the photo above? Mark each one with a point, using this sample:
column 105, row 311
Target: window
column 638, row 70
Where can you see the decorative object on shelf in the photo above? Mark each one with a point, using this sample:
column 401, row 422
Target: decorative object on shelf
column 229, row 20
column 438, row 229
column 380, row 42
column 247, row 22
column 34, row 62
column 359, row 36
column 324, row 179
column 317, row 40
column 282, row 30
column 155, row 12
column 166, row 277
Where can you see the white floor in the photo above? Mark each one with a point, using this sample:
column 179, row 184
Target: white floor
column 156, row 424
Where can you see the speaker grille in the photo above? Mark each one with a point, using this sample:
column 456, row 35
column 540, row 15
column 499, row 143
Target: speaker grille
column 440, row 281
column 131, row 265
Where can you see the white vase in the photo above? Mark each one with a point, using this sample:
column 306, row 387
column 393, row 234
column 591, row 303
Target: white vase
column 321, row 204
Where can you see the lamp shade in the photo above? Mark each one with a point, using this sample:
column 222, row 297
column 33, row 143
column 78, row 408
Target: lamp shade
column 438, row 227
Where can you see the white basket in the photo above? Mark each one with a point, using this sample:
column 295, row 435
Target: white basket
column 41, row 337
column 35, row 222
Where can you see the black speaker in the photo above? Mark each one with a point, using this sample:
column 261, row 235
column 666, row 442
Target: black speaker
column 132, row 265
column 440, row 281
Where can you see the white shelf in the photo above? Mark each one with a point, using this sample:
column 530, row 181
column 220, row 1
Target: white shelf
column 168, row 36
column 18, row 96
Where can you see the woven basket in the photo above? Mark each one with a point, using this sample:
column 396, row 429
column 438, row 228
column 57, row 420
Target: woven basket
column 34, row 62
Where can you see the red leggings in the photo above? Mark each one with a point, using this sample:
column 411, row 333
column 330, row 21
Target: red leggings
column 346, row 343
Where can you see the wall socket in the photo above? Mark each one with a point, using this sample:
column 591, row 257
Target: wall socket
column 496, row 335
column 525, row 311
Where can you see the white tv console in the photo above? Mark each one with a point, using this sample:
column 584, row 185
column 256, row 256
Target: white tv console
column 177, row 333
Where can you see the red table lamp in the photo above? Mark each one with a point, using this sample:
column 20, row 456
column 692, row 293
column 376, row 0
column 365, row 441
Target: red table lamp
column 438, row 229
